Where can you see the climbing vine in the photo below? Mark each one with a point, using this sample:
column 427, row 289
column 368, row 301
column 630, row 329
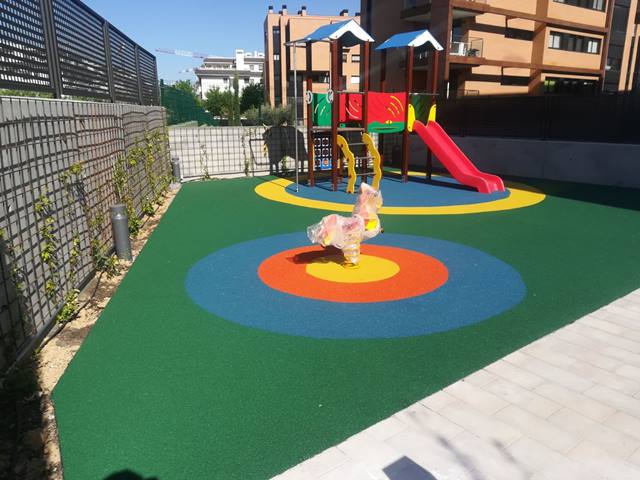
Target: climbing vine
column 284, row 165
column 149, row 160
column 18, row 277
column 204, row 161
column 146, row 153
column 161, row 140
column 61, row 255
column 122, row 189
column 17, row 274
column 48, row 243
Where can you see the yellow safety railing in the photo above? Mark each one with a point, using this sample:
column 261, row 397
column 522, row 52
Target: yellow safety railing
column 351, row 162
column 373, row 152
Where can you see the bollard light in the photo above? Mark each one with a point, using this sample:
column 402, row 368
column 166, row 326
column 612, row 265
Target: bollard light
column 120, row 227
column 175, row 169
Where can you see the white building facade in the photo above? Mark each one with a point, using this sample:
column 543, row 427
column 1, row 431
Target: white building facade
column 218, row 72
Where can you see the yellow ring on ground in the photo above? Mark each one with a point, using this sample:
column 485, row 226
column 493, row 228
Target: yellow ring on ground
column 369, row 269
column 521, row 196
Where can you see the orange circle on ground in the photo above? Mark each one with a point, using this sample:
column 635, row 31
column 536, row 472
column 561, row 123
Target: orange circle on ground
column 419, row 274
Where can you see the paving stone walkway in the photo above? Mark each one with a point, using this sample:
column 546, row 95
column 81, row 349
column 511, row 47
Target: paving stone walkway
column 564, row 407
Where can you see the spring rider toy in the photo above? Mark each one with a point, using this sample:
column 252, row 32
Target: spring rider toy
column 347, row 233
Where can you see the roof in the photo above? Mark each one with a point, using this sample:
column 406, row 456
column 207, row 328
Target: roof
column 349, row 31
column 410, row 39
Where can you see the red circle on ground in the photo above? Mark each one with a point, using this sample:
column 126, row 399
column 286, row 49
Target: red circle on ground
column 419, row 274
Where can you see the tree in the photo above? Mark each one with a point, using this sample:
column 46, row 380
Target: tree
column 187, row 87
column 268, row 115
column 252, row 97
column 234, row 119
column 219, row 103
column 224, row 103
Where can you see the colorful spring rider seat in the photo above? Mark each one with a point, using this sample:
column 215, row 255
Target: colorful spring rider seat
column 347, row 233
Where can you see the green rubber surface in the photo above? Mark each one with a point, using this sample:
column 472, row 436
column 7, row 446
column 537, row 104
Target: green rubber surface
column 164, row 389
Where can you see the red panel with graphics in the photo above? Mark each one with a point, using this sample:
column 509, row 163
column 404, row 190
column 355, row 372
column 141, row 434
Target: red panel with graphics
column 350, row 107
column 386, row 111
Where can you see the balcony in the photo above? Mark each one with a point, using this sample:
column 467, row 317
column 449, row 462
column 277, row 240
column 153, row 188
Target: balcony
column 416, row 10
column 420, row 10
column 466, row 47
column 462, row 92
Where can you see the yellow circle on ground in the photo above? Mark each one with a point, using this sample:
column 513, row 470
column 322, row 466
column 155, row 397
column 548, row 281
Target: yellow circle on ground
column 370, row 269
column 521, row 196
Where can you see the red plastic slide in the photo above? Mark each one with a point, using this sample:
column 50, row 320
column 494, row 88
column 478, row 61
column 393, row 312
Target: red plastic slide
column 454, row 160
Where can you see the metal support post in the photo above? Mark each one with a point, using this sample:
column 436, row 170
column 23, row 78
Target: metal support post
column 107, row 52
column 51, row 45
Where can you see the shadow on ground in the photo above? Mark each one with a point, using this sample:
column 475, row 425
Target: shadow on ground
column 618, row 197
column 128, row 475
column 25, row 424
column 406, row 469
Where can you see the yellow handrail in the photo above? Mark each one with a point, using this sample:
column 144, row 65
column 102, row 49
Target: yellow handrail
column 373, row 151
column 351, row 163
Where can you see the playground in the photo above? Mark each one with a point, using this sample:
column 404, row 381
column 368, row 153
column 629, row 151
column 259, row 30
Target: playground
column 245, row 380
column 237, row 346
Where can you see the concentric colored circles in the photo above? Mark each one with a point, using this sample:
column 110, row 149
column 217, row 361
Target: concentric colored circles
column 418, row 274
column 370, row 268
column 443, row 196
column 479, row 286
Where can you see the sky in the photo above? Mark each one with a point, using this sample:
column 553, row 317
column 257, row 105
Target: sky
column 215, row 27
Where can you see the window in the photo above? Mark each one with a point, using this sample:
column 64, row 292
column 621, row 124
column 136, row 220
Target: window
column 620, row 18
column 344, row 57
column 574, row 43
column 277, row 66
column 518, row 34
column 276, row 40
column 246, row 80
column 593, row 46
column 355, row 58
column 613, row 64
column 569, row 86
column 515, row 81
column 590, row 4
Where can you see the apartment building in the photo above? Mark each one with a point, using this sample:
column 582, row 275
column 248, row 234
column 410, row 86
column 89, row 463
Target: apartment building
column 282, row 27
column 218, row 72
column 495, row 47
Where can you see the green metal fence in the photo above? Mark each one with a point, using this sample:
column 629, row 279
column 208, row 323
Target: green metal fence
column 182, row 107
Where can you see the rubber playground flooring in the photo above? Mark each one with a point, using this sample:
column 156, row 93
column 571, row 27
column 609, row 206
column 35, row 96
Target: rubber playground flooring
column 164, row 388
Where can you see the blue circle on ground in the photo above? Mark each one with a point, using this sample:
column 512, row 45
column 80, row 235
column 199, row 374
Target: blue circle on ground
column 480, row 286
column 417, row 192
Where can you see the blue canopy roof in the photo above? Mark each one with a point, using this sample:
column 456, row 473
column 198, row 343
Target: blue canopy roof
column 350, row 32
column 410, row 39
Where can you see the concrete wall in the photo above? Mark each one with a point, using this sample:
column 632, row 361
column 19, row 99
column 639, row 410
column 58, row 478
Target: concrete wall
column 597, row 163
column 238, row 151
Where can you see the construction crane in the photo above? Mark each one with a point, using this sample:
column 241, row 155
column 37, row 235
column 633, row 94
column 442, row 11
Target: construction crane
column 182, row 53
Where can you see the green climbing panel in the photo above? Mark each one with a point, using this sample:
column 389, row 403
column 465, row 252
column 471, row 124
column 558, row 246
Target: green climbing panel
column 321, row 110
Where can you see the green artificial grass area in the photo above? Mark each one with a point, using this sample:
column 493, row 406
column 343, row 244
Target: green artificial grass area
column 165, row 389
